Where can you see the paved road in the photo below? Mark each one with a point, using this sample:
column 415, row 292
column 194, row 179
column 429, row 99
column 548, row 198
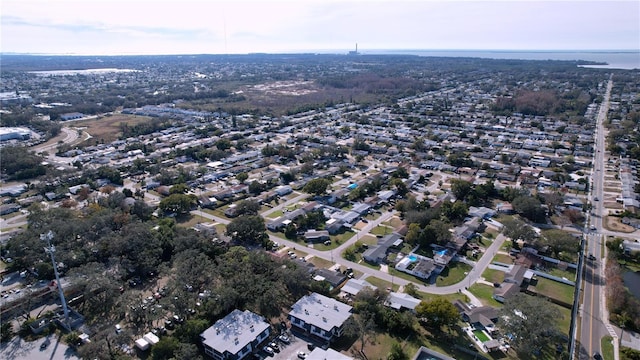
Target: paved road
column 593, row 324
column 335, row 257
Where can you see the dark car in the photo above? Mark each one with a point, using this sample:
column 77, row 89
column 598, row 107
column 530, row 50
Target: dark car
column 45, row 344
column 597, row 356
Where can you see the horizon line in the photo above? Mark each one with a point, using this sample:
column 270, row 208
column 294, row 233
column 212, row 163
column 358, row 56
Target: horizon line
column 330, row 51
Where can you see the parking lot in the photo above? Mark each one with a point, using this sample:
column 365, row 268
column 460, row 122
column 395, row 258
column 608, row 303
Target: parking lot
column 289, row 351
column 18, row 349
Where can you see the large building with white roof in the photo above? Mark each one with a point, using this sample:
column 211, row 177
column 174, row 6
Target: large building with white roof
column 235, row 336
column 320, row 316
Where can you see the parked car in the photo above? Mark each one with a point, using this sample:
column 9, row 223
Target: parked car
column 284, row 339
column 268, row 350
column 302, row 355
column 274, row 346
column 45, row 344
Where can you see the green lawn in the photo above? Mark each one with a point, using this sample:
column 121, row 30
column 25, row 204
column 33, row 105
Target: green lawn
column 502, row 258
column 381, row 230
column 394, row 222
column 564, row 320
column 342, row 237
column 484, row 293
column 569, row 273
column 555, row 290
column 320, row 263
column 481, row 335
column 493, row 276
column 381, row 284
column 453, row 274
column 606, row 344
column 451, row 297
column 275, row 214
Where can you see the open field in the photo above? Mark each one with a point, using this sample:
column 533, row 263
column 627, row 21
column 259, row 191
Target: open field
column 484, row 293
column 453, row 274
column 555, row 290
column 107, row 129
column 614, row 224
column 503, row 258
column 493, row 276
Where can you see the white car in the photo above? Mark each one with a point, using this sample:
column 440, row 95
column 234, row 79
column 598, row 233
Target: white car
column 302, row 355
column 268, row 350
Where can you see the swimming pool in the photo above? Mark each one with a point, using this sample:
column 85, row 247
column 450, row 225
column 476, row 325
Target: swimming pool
column 441, row 252
column 413, row 258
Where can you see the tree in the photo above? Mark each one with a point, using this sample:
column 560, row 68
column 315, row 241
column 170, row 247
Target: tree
column 178, row 203
column 517, row 230
column 460, row 188
column 317, row 186
column 242, row 177
column 247, row 207
column 6, row 331
column 560, row 241
column 179, row 189
column 530, row 319
column 530, row 208
column 223, row 144
column 256, row 187
column 247, row 229
column 411, row 289
column 437, row 313
column 396, row 352
column 165, row 348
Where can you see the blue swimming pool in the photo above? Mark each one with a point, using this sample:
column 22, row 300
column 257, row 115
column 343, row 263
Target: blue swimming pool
column 413, row 258
column 441, row 252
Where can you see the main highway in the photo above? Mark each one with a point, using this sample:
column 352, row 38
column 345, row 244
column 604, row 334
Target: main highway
column 593, row 318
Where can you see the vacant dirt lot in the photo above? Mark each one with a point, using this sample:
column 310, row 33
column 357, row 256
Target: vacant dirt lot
column 613, row 223
column 107, row 129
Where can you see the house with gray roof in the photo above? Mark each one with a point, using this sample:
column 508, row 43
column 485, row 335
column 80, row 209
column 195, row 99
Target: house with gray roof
column 354, row 286
column 319, row 316
column 401, row 301
column 235, row 336
column 378, row 253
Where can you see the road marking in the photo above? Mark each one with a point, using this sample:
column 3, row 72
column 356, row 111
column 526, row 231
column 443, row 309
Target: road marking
column 591, row 311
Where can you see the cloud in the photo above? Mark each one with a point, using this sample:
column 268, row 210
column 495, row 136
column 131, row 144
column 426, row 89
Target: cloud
column 162, row 26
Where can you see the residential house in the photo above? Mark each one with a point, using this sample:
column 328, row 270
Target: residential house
column 235, row 336
column 482, row 317
column 334, row 278
column 316, row 235
column 419, row 266
column 428, row 354
column 319, row 316
column 378, row 253
column 353, row 286
column 401, row 301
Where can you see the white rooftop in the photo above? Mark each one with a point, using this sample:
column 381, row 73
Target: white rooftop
column 321, row 311
column 234, row 331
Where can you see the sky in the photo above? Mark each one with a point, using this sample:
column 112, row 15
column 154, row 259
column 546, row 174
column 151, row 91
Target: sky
column 113, row 27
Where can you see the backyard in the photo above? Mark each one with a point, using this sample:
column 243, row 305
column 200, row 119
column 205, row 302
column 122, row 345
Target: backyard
column 481, row 335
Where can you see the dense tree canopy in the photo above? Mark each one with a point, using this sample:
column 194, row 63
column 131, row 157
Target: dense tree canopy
column 530, row 319
column 317, row 186
column 437, row 313
column 248, row 229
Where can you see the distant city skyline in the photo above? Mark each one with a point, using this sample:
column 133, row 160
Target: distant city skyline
column 117, row 27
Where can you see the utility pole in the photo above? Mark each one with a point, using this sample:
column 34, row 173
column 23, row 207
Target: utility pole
column 51, row 249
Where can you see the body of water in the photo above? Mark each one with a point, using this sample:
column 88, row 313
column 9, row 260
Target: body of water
column 632, row 282
column 80, row 72
column 623, row 59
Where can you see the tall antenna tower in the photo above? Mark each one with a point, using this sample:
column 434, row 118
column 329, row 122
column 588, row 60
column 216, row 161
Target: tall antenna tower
column 51, row 249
